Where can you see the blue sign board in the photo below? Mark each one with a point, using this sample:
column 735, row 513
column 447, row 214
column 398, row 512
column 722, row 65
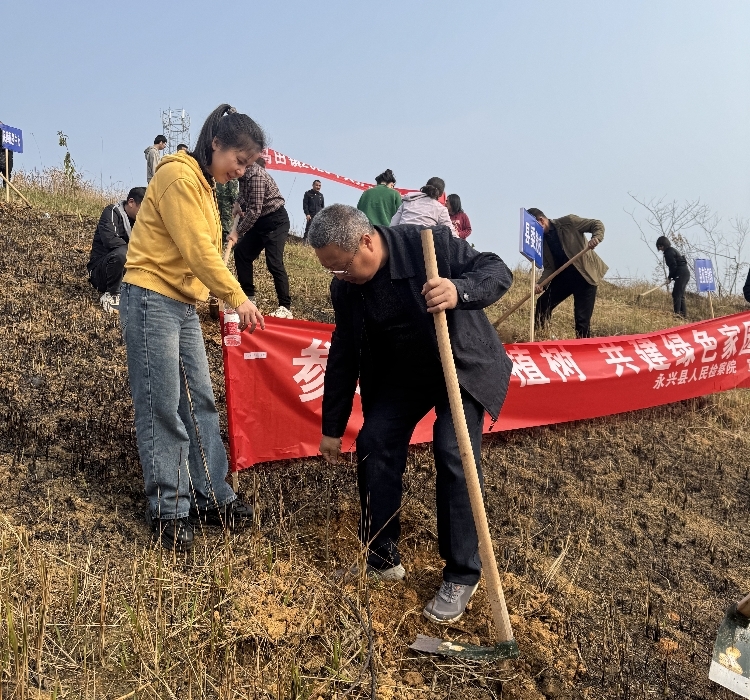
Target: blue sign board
column 532, row 237
column 12, row 138
column 704, row 275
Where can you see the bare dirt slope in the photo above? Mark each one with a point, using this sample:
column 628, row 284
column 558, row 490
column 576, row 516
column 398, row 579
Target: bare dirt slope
column 622, row 539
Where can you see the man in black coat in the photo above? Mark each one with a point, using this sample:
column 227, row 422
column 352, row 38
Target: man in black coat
column 312, row 203
column 109, row 248
column 385, row 339
column 678, row 271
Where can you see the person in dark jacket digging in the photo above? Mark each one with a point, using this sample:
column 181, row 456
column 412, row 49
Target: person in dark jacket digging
column 109, row 248
column 385, row 339
column 563, row 239
column 312, row 203
column 678, row 271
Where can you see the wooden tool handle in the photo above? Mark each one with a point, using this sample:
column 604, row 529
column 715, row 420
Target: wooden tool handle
column 230, row 242
column 544, row 284
column 743, row 607
column 663, row 284
column 503, row 629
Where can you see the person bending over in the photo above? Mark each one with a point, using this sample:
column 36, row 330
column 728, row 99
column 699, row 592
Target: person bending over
column 563, row 239
column 385, row 339
column 423, row 209
column 264, row 226
column 174, row 258
column 381, row 202
column 678, row 271
column 109, row 248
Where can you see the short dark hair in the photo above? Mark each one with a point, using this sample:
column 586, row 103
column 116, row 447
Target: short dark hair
column 136, row 194
column 663, row 241
column 261, row 162
column 455, row 203
column 232, row 130
column 386, row 177
column 314, row 181
column 536, row 213
column 434, row 187
column 182, row 147
column 160, row 139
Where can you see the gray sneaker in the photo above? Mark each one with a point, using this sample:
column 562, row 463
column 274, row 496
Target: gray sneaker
column 395, row 573
column 449, row 602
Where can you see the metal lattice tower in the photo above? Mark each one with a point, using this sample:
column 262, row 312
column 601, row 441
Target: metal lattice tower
column 176, row 127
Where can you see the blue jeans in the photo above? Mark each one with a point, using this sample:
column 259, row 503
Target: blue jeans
column 176, row 423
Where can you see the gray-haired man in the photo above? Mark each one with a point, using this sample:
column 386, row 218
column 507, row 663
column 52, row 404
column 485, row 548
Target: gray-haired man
column 385, row 339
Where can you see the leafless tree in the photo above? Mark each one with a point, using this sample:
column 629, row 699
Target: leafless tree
column 697, row 232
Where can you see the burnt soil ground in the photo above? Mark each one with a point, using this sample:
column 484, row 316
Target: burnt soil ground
column 622, row 540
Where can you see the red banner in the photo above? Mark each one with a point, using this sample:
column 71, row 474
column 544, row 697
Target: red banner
column 274, row 381
column 278, row 161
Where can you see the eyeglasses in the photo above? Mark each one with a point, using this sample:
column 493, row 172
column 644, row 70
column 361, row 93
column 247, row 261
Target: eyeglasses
column 345, row 271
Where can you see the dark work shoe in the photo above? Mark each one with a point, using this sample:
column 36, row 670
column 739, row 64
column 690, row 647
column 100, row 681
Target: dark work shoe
column 449, row 602
column 176, row 534
column 234, row 515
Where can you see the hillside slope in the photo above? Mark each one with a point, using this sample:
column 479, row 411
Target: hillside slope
column 619, row 538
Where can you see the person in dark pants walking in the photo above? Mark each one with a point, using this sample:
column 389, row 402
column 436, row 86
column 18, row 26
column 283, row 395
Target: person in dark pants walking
column 563, row 239
column 385, row 339
column 312, row 203
column 264, row 226
column 109, row 248
column 678, row 271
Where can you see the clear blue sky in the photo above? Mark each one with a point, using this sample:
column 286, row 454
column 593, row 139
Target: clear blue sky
column 566, row 106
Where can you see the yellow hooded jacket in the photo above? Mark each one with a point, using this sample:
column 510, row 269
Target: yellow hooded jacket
column 175, row 246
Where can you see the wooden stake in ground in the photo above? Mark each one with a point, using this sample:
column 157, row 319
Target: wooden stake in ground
column 506, row 646
column 711, row 304
column 519, row 304
column 7, row 177
column 15, row 189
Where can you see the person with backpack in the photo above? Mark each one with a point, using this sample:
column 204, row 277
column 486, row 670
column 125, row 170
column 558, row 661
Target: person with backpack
column 678, row 271
column 174, row 258
column 110, row 248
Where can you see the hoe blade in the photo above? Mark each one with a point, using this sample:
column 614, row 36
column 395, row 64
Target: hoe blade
column 432, row 645
column 730, row 665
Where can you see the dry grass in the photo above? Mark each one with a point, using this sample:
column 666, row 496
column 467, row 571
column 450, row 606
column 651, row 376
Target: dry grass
column 619, row 538
column 52, row 192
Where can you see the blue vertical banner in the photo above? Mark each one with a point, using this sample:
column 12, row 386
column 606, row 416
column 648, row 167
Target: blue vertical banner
column 704, row 275
column 532, row 238
column 12, row 138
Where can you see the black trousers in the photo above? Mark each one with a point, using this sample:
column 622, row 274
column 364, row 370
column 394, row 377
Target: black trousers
column 678, row 290
column 382, row 444
column 269, row 233
column 307, row 228
column 107, row 275
column 568, row 282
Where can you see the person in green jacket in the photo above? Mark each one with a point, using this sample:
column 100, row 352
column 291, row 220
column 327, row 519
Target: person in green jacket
column 381, row 202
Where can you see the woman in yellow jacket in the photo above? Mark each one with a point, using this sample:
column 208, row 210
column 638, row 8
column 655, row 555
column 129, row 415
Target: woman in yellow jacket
column 174, row 259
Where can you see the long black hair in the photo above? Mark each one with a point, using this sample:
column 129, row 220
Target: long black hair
column 232, row 130
column 434, row 187
column 455, row 203
column 386, row 177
